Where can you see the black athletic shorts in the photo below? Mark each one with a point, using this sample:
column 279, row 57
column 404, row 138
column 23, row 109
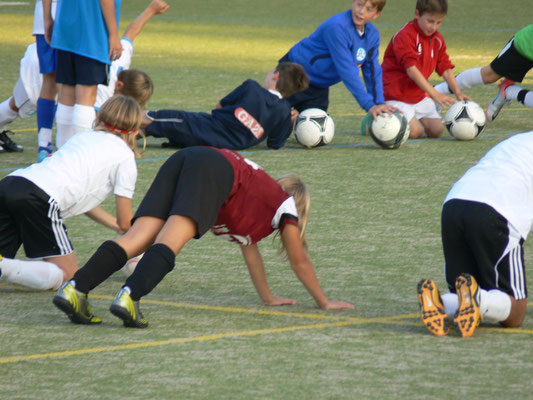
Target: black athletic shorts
column 73, row 69
column 194, row 182
column 28, row 216
column 511, row 64
column 478, row 240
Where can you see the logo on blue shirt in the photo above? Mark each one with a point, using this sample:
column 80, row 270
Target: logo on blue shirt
column 361, row 54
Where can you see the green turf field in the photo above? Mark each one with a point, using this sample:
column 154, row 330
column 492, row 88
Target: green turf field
column 373, row 234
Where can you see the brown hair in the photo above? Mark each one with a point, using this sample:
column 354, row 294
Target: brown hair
column 379, row 4
column 121, row 116
column 292, row 79
column 293, row 185
column 432, row 7
column 137, row 84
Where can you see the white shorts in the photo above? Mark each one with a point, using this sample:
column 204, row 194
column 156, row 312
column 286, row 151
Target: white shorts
column 26, row 107
column 423, row 109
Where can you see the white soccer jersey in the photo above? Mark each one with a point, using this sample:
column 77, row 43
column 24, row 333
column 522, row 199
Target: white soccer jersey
column 85, row 171
column 30, row 75
column 503, row 179
column 106, row 91
column 38, row 19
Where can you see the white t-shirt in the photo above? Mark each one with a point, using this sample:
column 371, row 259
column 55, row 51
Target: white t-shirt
column 85, row 171
column 503, row 179
column 106, row 91
column 38, row 18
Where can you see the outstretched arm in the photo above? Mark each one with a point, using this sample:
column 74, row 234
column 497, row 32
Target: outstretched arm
column 304, row 270
column 121, row 223
column 136, row 26
column 254, row 262
column 449, row 77
column 415, row 74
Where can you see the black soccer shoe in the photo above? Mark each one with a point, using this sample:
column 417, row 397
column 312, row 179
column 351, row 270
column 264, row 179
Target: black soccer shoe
column 9, row 145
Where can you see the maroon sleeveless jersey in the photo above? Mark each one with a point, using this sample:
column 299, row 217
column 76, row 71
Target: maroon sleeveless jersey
column 256, row 206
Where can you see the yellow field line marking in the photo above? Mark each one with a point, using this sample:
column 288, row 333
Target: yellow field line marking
column 341, row 322
column 203, row 338
column 224, row 335
column 229, row 309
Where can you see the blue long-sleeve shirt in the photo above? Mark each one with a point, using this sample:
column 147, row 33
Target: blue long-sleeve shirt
column 336, row 51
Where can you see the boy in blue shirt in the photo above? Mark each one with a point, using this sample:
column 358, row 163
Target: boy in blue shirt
column 243, row 118
column 335, row 52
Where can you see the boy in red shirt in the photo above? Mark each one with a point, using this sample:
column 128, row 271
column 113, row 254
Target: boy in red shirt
column 413, row 54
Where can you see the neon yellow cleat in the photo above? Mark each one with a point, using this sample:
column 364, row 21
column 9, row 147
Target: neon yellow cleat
column 75, row 304
column 128, row 310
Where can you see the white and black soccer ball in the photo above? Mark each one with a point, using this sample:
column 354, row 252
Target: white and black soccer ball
column 313, row 128
column 465, row 120
column 389, row 131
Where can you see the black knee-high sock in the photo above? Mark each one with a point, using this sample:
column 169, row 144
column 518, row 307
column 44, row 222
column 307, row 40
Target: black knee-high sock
column 108, row 259
column 152, row 268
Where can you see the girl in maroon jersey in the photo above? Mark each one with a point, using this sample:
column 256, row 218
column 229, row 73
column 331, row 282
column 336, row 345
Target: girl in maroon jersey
column 197, row 189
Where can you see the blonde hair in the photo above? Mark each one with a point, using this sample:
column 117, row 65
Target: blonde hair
column 121, row 116
column 136, row 84
column 293, row 185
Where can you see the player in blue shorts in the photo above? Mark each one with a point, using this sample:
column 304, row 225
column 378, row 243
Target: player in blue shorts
column 133, row 83
column 86, row 36
column 335, row 52
column 43, row 24
column 245, row 117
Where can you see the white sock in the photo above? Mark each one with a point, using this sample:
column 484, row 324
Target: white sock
column 469, row 78
column 511, row 92
column 7, row 115
column 442, row 88
column 494, row 305
column 38, row 275
column 528, row 100
column 64, row 126
column 466, row 79
column 44, row 137
column 83, row 117
column 451, row 303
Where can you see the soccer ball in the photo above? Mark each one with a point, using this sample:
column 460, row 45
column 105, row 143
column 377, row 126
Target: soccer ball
column 465, row 120
column 390, row 131
column 130, row 266
column 313, row 128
